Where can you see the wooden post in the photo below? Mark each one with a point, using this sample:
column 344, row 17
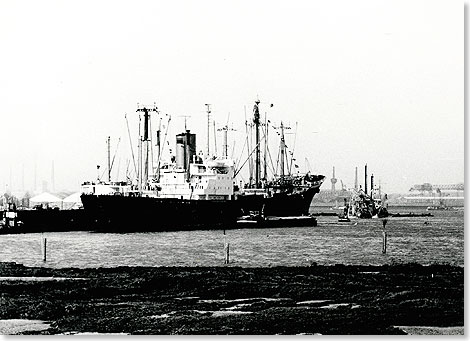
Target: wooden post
column 227, row 253
column 384, row 242
column 384, row 237
column 44, row 251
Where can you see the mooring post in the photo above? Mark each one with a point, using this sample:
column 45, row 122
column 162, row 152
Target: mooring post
column 226, row 249
column 384, row 242
column 227, row 253
column 44, row 249
column 384, row 237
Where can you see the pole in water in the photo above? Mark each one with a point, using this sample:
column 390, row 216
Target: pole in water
column 384, row 242
column 44, row 250
column 384, row 237
column 227, row 253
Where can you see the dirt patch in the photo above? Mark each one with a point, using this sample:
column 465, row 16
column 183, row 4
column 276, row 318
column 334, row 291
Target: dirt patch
column 416, row 330
column 230, row 300
column 19, row 326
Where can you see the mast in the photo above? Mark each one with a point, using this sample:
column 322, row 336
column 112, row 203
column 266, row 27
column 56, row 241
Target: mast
column 355, row 181
column 365, row 179
column 248, row 140
column 225, row 146
column 109, row 159
column 208, row 106
column 145, row 141
column 225, row 129
column 283, row 150
column 187, row 154
column 226, row 142
column 265, row 164
column 371, row 185
column 257, row 153
column 158, row 148
column 215, row 138
column 139, row 160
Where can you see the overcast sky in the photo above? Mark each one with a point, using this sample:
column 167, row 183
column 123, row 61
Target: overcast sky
column 376, row 82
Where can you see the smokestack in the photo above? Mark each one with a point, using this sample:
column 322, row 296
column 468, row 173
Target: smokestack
column 365, row 179
column 355, row 181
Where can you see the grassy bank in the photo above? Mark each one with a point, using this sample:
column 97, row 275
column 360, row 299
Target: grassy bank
column 230, row 300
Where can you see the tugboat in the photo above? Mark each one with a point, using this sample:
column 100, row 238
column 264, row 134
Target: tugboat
column 366, row 206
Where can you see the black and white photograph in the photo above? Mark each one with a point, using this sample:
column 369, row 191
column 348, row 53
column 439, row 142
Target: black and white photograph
column 232, row 167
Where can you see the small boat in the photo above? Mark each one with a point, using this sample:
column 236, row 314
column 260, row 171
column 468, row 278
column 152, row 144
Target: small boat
column 10, row 219
column 257, row 221
column 366, row 205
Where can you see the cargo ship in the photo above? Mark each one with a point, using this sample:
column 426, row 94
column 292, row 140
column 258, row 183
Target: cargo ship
column 285, row 193
column 187, row 193
column 196, row 192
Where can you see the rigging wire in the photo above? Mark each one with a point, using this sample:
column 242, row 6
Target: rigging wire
column 293, row 150
column 130, row 142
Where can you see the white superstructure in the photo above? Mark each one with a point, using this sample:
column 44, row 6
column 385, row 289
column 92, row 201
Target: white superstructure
column 211, row 180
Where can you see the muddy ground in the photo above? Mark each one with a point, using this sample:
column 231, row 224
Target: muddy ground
column 231, row 300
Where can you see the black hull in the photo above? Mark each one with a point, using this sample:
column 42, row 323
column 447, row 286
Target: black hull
column 112, row 213
column 36, row 221
column 279, row 205
column 122, row 214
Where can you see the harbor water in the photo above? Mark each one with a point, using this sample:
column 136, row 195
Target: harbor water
column 423, row 240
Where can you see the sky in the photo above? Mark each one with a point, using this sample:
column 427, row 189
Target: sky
column 376, row 82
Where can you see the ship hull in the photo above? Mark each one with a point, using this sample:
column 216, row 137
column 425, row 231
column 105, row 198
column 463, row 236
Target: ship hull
column 279, row 204
column 115, row 213
column 49, row 220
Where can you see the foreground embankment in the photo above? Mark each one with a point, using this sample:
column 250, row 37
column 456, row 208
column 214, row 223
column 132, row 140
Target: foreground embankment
column 232, row 300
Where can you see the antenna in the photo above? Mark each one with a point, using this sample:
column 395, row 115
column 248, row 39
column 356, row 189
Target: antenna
column 185, row 119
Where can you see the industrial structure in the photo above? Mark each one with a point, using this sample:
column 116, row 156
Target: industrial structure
column 436, row 194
